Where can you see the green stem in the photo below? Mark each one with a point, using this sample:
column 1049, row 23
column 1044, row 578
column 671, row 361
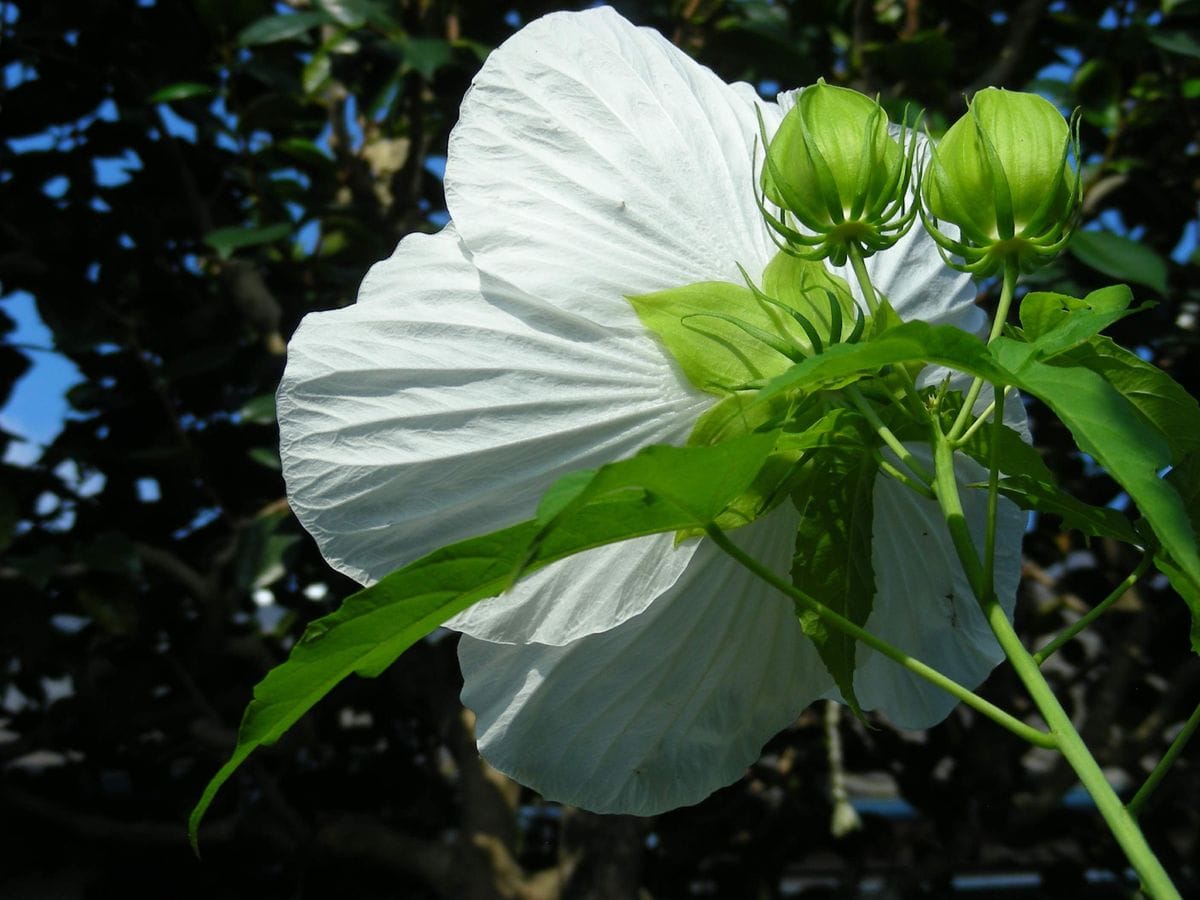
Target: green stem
column 1122, row 825
column 933, row 676
column 993, row 497
column 911, row 399
column 864, row 406
column 908, row 481
column 1177, row 745
column 1093, row 614
column 1006, row 297
column 864, row 280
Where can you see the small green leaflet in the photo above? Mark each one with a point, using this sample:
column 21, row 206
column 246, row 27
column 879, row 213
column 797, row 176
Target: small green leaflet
column 662, row 489
column 833, row 555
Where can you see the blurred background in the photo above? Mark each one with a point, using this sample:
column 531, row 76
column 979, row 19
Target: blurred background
column 182, row 180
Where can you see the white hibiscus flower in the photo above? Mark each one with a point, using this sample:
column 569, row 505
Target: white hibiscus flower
column 594, row 161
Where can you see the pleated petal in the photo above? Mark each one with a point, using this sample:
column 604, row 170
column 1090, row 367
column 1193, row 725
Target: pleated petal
column 441, row 407
column 662, row 710
column 924, row 604
column 594, row 160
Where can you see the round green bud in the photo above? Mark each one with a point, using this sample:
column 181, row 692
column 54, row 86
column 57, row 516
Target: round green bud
column 1003, row 175
column 834, row 168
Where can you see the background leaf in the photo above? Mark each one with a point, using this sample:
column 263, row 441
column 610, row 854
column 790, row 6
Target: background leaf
column 1120, row 257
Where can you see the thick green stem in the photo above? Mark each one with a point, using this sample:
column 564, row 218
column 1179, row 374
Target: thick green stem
column 933, row 676
column 864, row 280
column 1006, row 297
column 1123, row 826
column 1093, row 614
column 993, row 497
column 1177, row 745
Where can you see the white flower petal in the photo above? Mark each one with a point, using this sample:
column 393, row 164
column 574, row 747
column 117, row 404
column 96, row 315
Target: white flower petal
column 664, row 709
column 924, row 604
column 593, row 160
column 437, row 409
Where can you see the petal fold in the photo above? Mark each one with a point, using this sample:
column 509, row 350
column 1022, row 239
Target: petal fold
column 664, row 709
column 440, row 407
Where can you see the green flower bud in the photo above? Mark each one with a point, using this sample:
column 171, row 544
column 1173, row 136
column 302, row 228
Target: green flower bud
column 1003, row 175
column 835, row 171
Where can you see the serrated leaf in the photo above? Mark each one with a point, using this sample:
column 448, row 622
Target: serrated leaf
column 1055, row 323
column 281, row 27
column 1093, row 521
column 1108, row 427
column 911, row 342
column 662, row 489
column 1163, row 402
column 833, row 555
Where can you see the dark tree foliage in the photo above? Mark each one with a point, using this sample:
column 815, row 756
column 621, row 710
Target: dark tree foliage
column 152, row 572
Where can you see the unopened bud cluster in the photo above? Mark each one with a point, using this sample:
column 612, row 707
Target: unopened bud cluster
column 998, row 188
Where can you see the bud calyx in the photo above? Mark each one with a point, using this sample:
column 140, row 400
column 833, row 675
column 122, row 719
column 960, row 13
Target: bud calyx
column 834, row 170
column 1002, row 174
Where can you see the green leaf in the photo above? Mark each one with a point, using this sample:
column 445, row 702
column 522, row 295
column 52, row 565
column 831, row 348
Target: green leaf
column 716, row 355
column 265, row 456
column 317, row 70
column 1179, row 42
column 1093, row 521
column 1108, row 427
column 356, row 13
column 1158, row 398
column 833, row 555
column 1055, row 322
column 425, row 55
column 259, row 410
column 1185, row 478
column 1120, row 257
column 1030, row 483
column 281, row 27
column 180, row 91
column 917, row 342
column 227, row 240
column 662, row 489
